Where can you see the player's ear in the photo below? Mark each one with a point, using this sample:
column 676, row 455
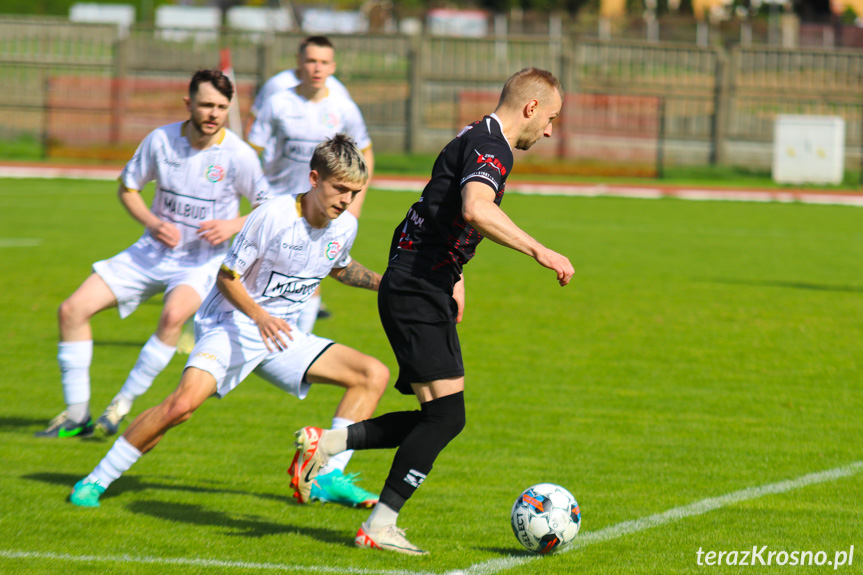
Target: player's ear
column 188, row 102
column 530, row 108
column 314, row 177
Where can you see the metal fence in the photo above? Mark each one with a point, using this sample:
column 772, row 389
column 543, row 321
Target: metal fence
column 711, row 105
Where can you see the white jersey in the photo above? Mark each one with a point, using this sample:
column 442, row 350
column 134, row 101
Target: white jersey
column 281, row 259
column 287, row 80
column 289, row 127
column 194, row 186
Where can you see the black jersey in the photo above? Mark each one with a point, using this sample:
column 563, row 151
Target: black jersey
column 434, row 241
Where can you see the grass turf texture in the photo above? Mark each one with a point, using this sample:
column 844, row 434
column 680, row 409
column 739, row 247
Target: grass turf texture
column 702, row 348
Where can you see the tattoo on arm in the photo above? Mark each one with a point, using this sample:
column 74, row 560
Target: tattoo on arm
column 356, row 275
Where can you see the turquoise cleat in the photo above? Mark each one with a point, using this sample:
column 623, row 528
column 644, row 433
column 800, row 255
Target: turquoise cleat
column 86, row 494
column 336, row 487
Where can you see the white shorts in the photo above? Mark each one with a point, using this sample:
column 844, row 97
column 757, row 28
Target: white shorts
column 231, row 349
column 136, row 274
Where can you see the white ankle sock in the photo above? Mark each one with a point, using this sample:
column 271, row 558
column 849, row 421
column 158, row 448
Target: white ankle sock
column 119, row 459
column 382, row 516
column 336, row 442
column 153, row 359
column 78, row 412
column 74, row 358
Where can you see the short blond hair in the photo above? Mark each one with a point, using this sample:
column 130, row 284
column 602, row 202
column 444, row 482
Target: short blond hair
column 339, row 158
column 527, row 84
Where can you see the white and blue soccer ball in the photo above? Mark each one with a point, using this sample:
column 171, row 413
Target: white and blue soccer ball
column 545, row 517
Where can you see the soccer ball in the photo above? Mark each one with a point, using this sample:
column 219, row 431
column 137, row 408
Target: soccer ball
column 545, row 517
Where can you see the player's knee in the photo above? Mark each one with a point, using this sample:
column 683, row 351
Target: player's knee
column 68, row 314
column 172, row 320
column 447, row 414
column 371, row 378
column 455, row 423
column 377, row 377
column 178, row 409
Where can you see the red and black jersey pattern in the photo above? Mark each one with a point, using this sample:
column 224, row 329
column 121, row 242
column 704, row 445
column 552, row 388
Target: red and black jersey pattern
column 433, row 240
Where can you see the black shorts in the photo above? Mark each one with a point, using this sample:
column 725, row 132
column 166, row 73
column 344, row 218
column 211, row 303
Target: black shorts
column 419, row 319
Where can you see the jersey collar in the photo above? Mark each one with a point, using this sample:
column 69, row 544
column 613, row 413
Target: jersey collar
column 500, row 126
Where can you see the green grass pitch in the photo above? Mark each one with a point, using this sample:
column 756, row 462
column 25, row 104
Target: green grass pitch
column 702, row 348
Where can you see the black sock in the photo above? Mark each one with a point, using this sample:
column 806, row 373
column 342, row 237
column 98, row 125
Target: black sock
column 385, row 431
column 441, row 420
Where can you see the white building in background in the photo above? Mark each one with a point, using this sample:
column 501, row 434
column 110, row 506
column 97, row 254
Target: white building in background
column 808, row 149
column 259, row 19
column 123, row 15
column 323, row 21
column 180, row 23
column 452, row 22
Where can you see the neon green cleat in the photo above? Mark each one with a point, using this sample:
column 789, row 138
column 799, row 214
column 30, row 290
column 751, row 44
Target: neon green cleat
column 62, row 426
column 336, row 487
column 86, row 494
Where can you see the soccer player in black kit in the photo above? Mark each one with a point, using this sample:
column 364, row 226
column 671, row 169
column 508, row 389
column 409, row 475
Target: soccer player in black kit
column 421, row 299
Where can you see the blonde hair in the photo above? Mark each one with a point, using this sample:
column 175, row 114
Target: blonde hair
column 339, row 158
column 527, row 84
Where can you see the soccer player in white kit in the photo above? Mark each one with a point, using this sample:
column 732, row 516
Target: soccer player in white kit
column 248, row 322
column 285, row 80
column 291, row 122
column 201, row 170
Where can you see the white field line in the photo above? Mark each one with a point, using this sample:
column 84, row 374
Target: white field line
column 20, row 242
column 209, row 563
column 401, row 184
column 396, row 184
column 672, row 516
column 51, row 172
column 487, row 567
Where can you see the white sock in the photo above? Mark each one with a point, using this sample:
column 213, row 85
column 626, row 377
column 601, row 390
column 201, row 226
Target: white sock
column 120, row 458
column 78, row 412
column 382, row 516
column 309, row 313
column 74, row 358
column 153, row 359
column 334, row 441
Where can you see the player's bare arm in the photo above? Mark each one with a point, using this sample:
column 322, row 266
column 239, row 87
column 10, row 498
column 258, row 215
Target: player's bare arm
column 164, row 232
column 356, row 274
column 218, row 231
column 480, row 211
column 458, row 296
column 272, row 328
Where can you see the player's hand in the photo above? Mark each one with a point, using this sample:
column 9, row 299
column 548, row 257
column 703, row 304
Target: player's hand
column 458, row 296
column 273, row 330
column 166, row 233
column 557, row 262
column 215, row 231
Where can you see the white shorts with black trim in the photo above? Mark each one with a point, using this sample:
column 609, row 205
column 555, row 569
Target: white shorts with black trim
column 230, row 348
